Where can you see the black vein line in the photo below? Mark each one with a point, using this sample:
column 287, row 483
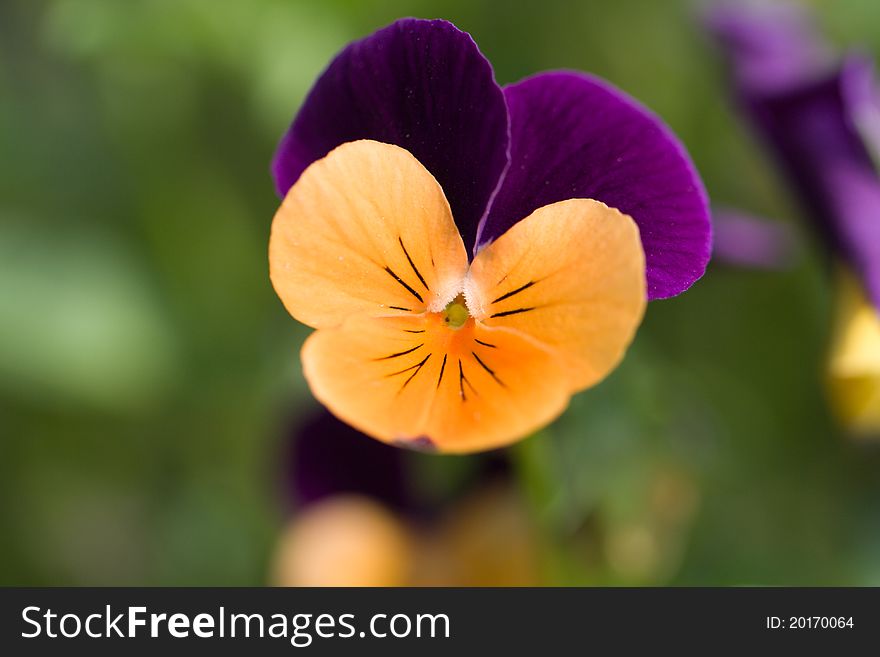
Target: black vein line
column 486, row 344
column 407, row 369
column 512, row 312
column 462, row 379
column 409, row 310
column 404, row 284
column 442, row 369
column 516, row 291
column 413, row 331
column 488, row 369
column 418, row 368
column 401, row 353
column 412, row 264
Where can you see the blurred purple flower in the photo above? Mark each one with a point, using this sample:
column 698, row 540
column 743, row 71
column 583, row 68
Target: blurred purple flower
column 500, row 153
column 819, row 117
column 746, row 241
column 326, row 457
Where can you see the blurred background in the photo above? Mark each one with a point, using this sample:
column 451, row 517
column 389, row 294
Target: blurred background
column 149, row 376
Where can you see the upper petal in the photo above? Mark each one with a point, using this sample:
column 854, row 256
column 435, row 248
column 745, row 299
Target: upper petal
column 365, row 231
column 422, row 85
column 571, row 276
column 574, row 136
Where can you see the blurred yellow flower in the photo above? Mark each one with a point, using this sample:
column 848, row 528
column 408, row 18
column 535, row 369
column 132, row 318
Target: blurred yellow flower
column 345, row 540
column 854, row 361
column 486, row 539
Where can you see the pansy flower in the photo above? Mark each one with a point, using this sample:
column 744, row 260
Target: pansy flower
column 821, row 118
column 470, row 255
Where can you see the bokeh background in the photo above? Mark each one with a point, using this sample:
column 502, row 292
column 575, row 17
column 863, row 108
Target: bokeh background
column 148, row 373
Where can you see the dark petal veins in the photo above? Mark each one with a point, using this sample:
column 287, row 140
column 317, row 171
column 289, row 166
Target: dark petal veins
column 573, row 136
column 442, row 369
column 488, row 369
column 417, row 368
column 401, row 353
column 521, row 288
column 516, row 311
column 404, row 284
column 413, row 265
column 462, row 382
column 419, row 84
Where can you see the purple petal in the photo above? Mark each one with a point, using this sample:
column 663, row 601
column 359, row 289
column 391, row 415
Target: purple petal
column 574, row 136
column 862, row 98
column 773, row 46
column 419, row 84
column 746, row 241
column 328, row 457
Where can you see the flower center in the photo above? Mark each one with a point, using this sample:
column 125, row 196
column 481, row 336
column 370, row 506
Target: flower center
column 456, row 313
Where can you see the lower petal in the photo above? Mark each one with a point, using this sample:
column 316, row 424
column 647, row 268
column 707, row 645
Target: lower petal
column 413, row 381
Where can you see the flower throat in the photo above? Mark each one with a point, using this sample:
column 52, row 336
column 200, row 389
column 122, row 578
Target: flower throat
column 456, row 313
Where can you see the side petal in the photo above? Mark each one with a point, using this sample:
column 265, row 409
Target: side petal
column 574, row 136
column 572, row 277
column 422, row 85
column 414, row 381
column 365, row 231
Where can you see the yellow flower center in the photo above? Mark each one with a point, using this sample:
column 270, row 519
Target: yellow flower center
column 456, row 313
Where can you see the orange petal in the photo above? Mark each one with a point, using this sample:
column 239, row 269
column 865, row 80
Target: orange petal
column 572, row 276
column 414, row 381
column 365, row 231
